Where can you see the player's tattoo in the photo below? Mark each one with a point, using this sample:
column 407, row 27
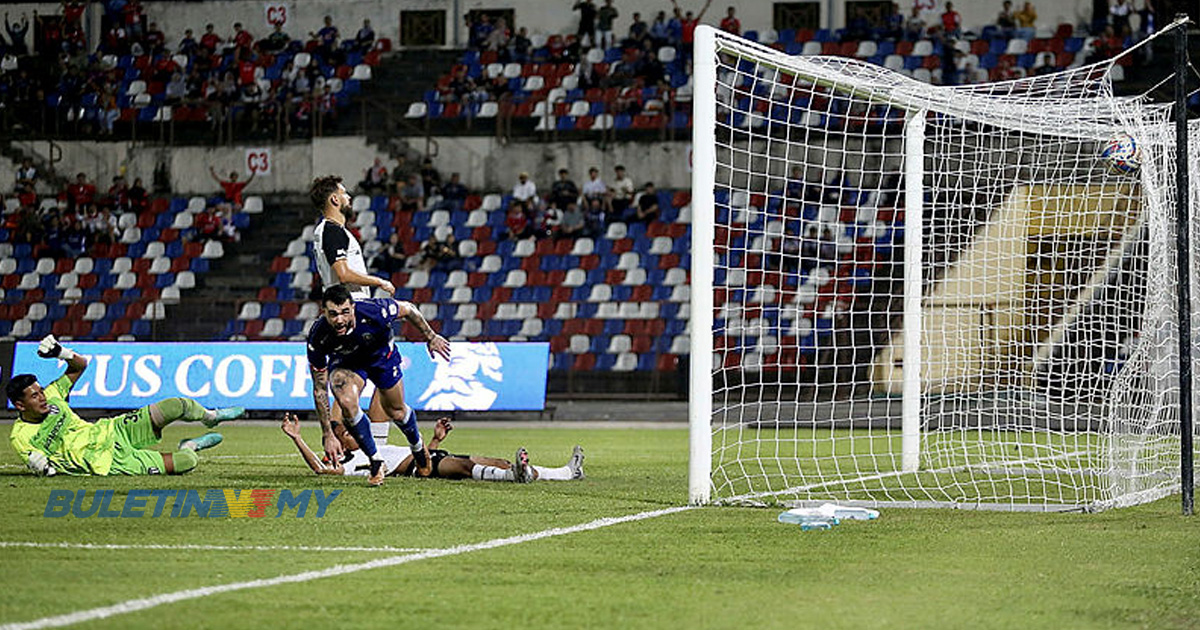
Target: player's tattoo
column 321, row 400
column 413, row 315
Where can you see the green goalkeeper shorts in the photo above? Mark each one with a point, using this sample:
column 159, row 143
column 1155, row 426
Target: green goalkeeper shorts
column 134, row 430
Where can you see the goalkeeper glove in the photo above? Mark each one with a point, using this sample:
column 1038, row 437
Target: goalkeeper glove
column 50, row 348
column 40, row 464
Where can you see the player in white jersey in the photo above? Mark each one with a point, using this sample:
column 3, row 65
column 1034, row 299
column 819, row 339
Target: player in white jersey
column 339, row 254
column 340, row 261
column 398, row 461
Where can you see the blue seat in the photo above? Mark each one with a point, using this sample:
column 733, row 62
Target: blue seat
column 140, row 328
column 605, row 362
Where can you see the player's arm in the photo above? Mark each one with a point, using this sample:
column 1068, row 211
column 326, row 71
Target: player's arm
column 437, row 344
column 440, row 431
column 50, row 348
column 346, row 275
column 291, row 428
column 332, row 445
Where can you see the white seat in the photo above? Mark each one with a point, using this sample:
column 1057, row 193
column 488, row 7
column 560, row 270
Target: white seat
column 438, row 218
column 681, row 344
column 186, row 280
column 196, row 205
column 29, row 281
column 417, row 280
column 628, row 310
column 515, row 279
column 546, row 123
column 155, row 311
column 468, row 248
column 661, row 245
column 160, row 265
column 471, row 328
column 429, row 311
column 360, row 204
column 618, row 344
column 629, row 260
column 461, row 295
column 477, row 218
column 67, row 280
column 95, row 311
column 212, row 250
column 272, row 328
column 126, row 221
column 82, row 265
column 531, row 327
column 125, row 281
column 491, row 202
column 570, row 82
column 893, row 62
column 866, row 48
column 37, row 312
column 566, row 310
column 923, row 75
column 1116, row 74
column 457, row 278
column 302, row 281
column 584, row 246
column 296, row 247
column 250, row 310
column 634, row 278
column 675, row 276
column 416, row 109
column 608, row 310
column 309, row 311
column 155, row 249
column 45, row 266
column 493, row 70
column 579, row 108
column 616, row 231
column 9, row 265
column 600, row 293
column 299, row 263
column 512, row 71
column 489, row 109
column 595, row 55
column 121, row 265
column 579, row 344
column 575, row 278
column 362, row 72
column 1017, row 46
column 666, row 54
column 136, row 87
column 506, row 311
column 681, row 293
column 490, row 264
column 21, row 328
column 465, row 312
column 71, row 295
column 626, row 362
column 170, row 295
column 6, row 250
column 922, row 48
column 301, row 60
column 253, row 205
column 603, row 121
column 534, row 83
column 525, row 248
column 142, row 100
column 811, row 47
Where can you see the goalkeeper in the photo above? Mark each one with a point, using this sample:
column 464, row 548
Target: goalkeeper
column 51, row 438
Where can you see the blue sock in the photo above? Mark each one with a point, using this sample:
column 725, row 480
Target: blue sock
column 361, row 430
column 409, row 428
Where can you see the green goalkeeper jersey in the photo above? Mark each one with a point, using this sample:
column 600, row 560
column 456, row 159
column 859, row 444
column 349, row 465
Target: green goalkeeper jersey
column 73, row 445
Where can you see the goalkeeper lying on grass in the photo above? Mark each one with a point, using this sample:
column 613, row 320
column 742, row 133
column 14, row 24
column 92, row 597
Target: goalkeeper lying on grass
column 51, row 438
column 398, row 462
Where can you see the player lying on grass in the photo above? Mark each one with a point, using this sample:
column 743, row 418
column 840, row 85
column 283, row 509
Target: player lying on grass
column 350, row 344
column 397, row 463
column 51, row 438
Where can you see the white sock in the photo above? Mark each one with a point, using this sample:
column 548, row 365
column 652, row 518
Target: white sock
column 210, row 414
column 480, row 472
column 358, row 416
column 379, row 431
column 562, row 473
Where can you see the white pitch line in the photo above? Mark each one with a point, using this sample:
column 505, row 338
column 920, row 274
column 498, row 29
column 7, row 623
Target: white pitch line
column 135, row 605
column 101, row 546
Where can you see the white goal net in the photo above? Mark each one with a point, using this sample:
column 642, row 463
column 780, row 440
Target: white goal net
column 928, row 296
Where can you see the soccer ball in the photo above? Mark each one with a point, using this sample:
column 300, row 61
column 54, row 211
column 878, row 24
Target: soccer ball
column 1122, row 154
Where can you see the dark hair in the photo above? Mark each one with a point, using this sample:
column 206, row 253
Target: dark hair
column 321, row 188
column 17, row 385
column 336, row 294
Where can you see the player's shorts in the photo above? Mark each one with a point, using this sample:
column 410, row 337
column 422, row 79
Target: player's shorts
column 437, row 455
column 133, row 431
column 385, row 372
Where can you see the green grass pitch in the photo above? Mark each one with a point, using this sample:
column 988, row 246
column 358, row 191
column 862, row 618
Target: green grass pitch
column 704, row 568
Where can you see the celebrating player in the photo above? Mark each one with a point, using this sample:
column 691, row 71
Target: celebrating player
column 51, row 438
column 397, row 463
column 353, row 341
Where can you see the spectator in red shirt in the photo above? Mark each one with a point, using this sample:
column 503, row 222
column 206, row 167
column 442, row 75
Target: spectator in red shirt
column 241, row 37
column 951, row 21
column 730, row 24
column 232, row 188
column 81, row 193
column 133, row 18
column 689, row 24
column 517, row 221
column 73, row 12
column 210, row 39
column 207, row 224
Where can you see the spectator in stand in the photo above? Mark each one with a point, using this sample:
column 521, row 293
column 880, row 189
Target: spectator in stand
column 229, row 231
column 604, row 24
column 242, row 39
column 659, row 34
column 72, row 12
column 53, row 236
column 594, row 187
column 431, row 179
column 454, row 194
column 622, row 191
column 375, row 181
column 364, row 39
column 210, row 40
column 587, row 21
column 572, row 223
column 74, row 238
column 1146, row 25
column 232, row 188
column 462, row 87
column 80, row 194
column 439, row 253
column 1026, row 20
column 176, row 90
column 207, row 224
column 1107, row 46
column 187, row 45
column 730, row 23
column 497, row 40
column 16, row 35
column 412, row 196
column 951, row 22
column 276, row 42
column 637, row 32
column 516, row 222
column 100, row 224
column 859, row 27
column 109, row 111
column 391, row 259
column 525, row 190
column 327, row 40
column 688, row 26
column 118, row 194
column 563, row 191
column 139, row 197
column 651, row 72
column 155, row 39
column 914, row 28
column 480, row 28
column 646, row 205
column 1118, row 16
column 1006, row 20
column 895, row 23
column 132, row 12
column 27, row 173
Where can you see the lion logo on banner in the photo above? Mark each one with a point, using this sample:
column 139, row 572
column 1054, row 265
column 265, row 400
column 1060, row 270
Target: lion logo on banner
column 468, row 381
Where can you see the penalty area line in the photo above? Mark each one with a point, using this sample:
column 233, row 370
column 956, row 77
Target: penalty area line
column 102, row 546
column 135, row 605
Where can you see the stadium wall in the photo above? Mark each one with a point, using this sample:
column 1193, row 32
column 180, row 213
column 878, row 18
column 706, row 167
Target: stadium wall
column 538, row 16
column 485, row 165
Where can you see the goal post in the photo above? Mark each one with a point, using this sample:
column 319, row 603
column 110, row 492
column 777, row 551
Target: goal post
column 929, row 296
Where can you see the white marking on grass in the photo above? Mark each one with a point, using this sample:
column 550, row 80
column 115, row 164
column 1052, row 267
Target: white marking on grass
column 135, row 605
column 275, row 456
column 102, row 546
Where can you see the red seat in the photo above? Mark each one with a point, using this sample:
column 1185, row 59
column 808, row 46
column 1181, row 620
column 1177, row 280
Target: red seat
column 584, row 363
column 64, row 265
column 666, row 362
column 183, row 263
column 254, row 328
column 614, row 277
column 560, row 343
column 119, row 327
column 289, row 311
column 88, row 281
column 383, row 44
column 266, row 294
column 169, row 235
